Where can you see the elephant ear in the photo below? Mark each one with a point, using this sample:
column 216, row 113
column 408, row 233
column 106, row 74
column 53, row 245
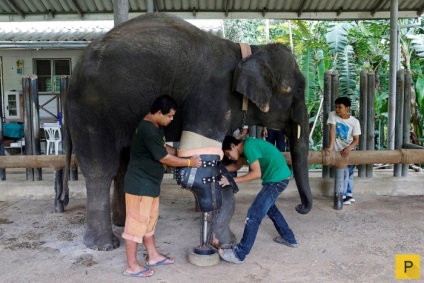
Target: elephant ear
column 254, row 79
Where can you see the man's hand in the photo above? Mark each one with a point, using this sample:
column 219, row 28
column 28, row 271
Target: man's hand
column 224, row 181
column 195, row 161
column 345, row 152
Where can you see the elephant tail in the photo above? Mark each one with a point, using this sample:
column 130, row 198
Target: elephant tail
column 68, row 146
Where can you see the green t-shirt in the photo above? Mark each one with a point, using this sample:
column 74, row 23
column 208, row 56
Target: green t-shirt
column 273, row 164
column 145, row 172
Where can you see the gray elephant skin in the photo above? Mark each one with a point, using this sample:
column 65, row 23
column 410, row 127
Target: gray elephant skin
column 120, row 74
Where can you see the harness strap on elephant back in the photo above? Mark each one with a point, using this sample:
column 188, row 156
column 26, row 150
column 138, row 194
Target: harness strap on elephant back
column 245, row 52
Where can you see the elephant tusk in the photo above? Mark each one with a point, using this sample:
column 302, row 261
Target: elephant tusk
column 299, row 130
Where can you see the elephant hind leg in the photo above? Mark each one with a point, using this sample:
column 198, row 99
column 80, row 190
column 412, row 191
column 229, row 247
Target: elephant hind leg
column 220, row 234
column 99, row 234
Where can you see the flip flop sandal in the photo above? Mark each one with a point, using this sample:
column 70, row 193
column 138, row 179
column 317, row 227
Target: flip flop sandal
column 229, row 255
column 162, row 262
column 138, row 274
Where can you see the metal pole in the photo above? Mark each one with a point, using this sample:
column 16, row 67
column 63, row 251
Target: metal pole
column 325, row 112
column 27, row 124
column 363, row 118
column 35, row 127
column 370, row 120
column 120, row 11
column 150, row 6
column 406, row 116
column 392, row 73
column 400, row 84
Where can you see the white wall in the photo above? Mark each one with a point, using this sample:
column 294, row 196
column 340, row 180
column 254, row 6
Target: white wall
column 11, row 80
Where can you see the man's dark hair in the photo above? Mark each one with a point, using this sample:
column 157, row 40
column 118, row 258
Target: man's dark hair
column 343, row 100
column 163, row 103
column 226, row 144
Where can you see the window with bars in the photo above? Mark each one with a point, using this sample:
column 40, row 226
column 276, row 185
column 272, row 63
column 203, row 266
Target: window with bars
column 49, row 72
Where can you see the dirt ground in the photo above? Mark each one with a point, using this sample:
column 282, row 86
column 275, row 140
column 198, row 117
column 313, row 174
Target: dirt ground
column 356, row 244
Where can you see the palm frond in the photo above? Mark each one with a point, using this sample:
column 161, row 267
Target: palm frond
column 417, row 41
column 347, row 72
column 308, row 71
column 337, row 37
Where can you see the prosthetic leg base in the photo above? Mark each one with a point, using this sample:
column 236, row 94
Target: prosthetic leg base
column 203, row 259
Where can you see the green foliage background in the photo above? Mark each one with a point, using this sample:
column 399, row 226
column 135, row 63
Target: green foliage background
column 349, row 48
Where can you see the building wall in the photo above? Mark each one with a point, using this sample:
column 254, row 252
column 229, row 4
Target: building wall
column 12, row 80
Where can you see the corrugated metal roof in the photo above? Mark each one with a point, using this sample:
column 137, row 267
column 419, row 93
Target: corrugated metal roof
column 30, row 10
column 69, row 34
column 47, row 31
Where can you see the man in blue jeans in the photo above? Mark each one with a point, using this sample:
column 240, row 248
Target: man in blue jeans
column 268, row 164
column 344, row 136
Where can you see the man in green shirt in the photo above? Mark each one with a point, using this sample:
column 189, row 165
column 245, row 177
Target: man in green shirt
column 266, row 163
column 149, row 153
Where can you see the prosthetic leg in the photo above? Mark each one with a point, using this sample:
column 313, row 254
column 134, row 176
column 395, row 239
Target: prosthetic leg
column 203, row 183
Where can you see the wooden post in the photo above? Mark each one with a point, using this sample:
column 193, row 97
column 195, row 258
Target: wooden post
column 2, row 170
column 27, row 124
column 325, row 111
column 35, row 125
column 370, row 120
column 338, row 188
column 334, row 95
column 400, row 84
column 406, row 116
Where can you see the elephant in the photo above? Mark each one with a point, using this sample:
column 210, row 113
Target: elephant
column 119, row 75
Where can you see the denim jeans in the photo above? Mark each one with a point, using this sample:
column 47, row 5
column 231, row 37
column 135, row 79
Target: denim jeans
column 264, row 204
column 348, row 180
column 276, row 137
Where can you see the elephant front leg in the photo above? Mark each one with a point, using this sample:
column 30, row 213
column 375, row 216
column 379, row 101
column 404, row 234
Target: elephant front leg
column 99, row 234
column 220, row 232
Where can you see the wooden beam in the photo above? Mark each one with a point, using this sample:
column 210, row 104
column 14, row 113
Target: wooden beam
column 299, row 13
column 333, row 158
column 15, row 8
column 77, row 8
column 325, row 157
column 377, row 6
column 56, row 162
column 420, row 11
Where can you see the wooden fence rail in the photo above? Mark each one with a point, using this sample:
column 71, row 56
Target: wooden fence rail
column 325, row 157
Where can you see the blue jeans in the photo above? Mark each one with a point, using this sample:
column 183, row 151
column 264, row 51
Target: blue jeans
column 276, row 137
column 348, row 180
column 264, row 204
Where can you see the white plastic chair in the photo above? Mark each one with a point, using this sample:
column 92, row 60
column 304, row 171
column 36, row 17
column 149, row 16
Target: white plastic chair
column 53, row 137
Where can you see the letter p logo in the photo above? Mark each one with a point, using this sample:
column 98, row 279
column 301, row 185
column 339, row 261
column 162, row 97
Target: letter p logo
column 407, row 266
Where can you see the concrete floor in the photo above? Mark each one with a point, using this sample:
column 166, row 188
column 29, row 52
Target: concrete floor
column 356, row 244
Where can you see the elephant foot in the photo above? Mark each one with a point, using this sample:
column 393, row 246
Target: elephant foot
column 59, row 207
column 300, row 208
column 101, row 244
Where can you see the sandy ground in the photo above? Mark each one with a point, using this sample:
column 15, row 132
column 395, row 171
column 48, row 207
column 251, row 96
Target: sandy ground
column 356, row 244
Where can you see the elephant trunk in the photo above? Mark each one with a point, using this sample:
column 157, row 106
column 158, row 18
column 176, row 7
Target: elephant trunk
column 299, row 150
